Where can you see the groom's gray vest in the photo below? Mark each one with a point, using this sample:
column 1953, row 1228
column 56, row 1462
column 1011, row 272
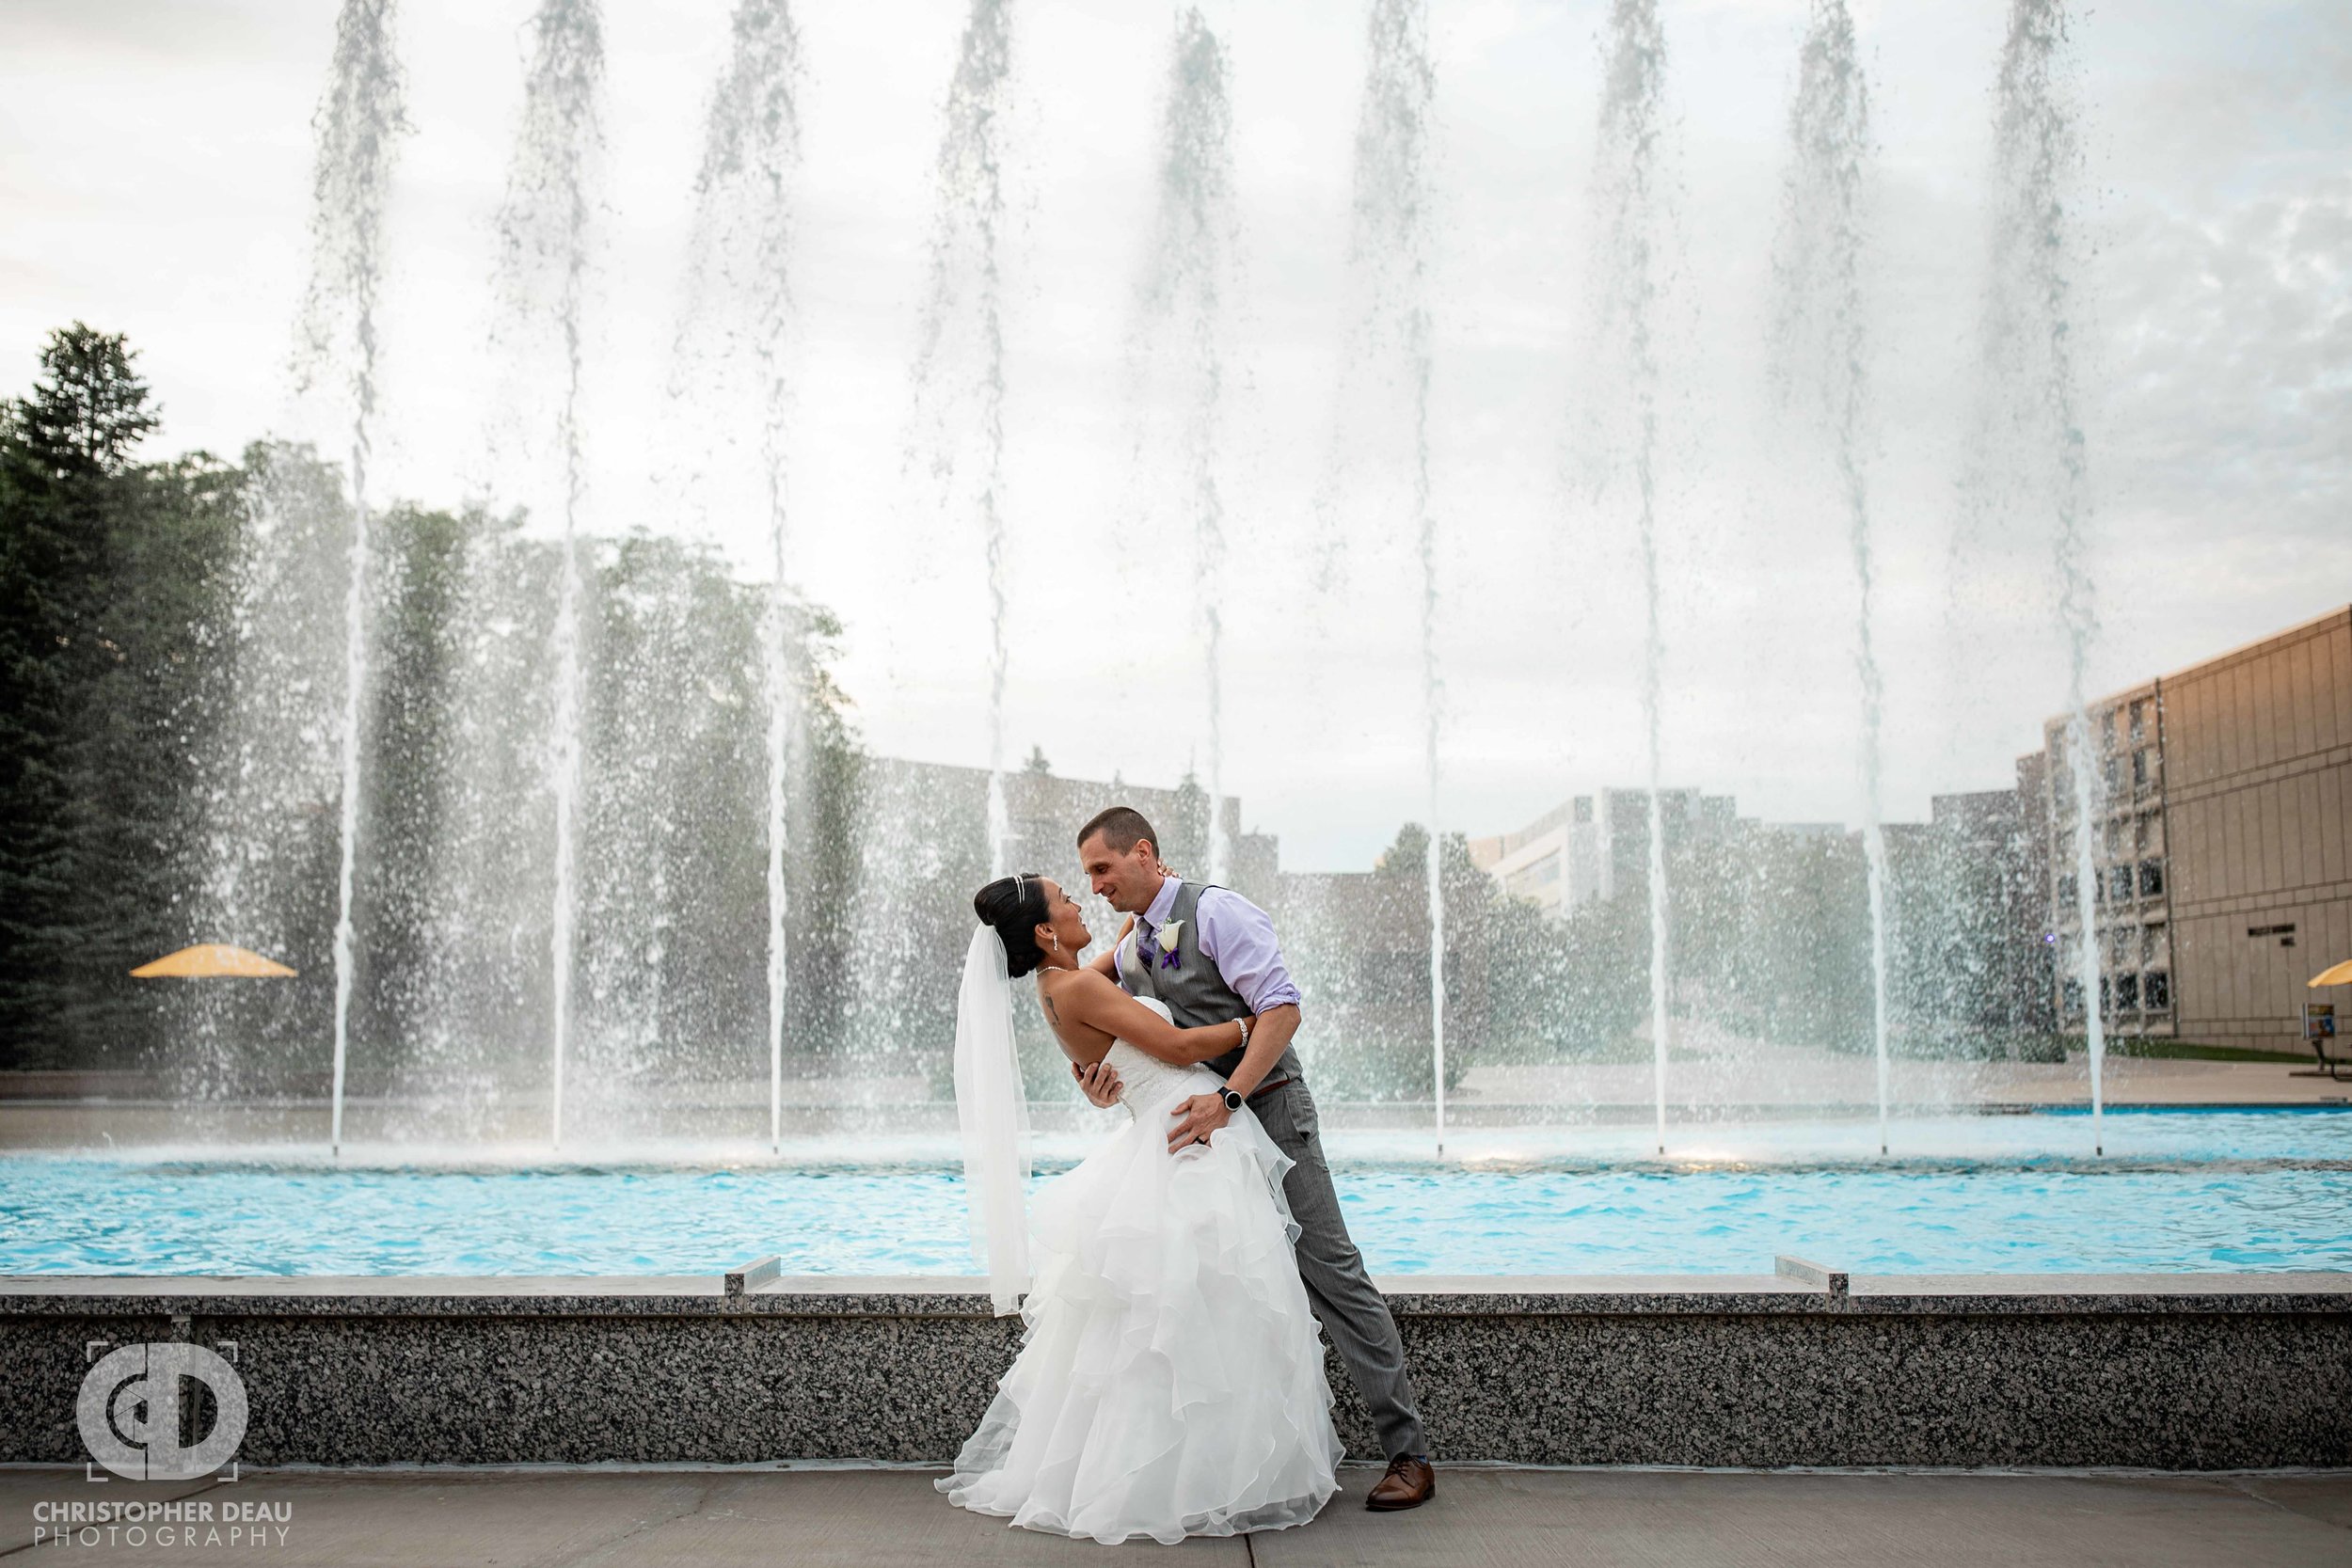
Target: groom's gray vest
column 1195, row 992
column 1344, row 1299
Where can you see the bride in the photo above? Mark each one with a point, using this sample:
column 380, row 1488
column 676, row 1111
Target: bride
column 1170, row 1375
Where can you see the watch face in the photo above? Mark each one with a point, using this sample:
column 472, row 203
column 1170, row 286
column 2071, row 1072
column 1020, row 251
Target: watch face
column 1232, row 1100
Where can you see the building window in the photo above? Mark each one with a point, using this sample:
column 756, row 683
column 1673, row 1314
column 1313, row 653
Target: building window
column 2140, row 722
column 2155, row 990
column 2071, row 997
column 2119, row 883
column 2151, row 879
column 2127, row 993
column 2067, row 887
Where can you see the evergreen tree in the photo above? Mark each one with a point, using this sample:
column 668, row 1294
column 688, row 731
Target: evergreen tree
column 64, row 453
column 171, row 529
column 110, row 582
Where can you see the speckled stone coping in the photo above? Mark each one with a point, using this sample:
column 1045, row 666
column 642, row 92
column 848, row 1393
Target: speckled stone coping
column 2168, row 1371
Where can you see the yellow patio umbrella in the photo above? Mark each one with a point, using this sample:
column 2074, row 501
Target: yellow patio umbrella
column 2339, row 975
column 211, row 959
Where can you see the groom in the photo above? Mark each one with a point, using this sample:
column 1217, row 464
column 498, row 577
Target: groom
column 1211, row 956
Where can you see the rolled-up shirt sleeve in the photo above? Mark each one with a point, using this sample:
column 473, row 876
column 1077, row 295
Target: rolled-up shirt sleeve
column 1238, row 937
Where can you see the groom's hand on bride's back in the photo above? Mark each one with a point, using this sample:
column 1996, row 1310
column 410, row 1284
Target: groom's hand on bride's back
column 1195, row 1118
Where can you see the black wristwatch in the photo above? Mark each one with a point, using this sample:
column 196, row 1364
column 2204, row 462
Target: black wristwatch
column 1232, row 1100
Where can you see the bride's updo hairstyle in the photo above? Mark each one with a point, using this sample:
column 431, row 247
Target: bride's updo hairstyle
column 1015, row 906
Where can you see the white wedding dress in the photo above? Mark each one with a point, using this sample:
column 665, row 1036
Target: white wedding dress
column 1170, row 1375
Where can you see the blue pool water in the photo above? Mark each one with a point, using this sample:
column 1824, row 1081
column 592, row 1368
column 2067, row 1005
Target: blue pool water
column 2211, row 1191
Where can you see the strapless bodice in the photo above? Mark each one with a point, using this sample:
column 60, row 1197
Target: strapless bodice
column 1146, row 1082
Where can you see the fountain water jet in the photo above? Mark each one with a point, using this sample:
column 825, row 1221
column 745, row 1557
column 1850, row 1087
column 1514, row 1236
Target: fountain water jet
column 2030, row 425
column 1391, row 248
column 359, row 123
column 1192, row 261
column 1628, row 216
column 741, row 250
column 273, row 759
column 966, row 239
column 1819, row 340
column 543, row 228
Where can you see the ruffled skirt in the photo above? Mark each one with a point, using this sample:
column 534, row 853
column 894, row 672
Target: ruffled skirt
column 1170, row 1375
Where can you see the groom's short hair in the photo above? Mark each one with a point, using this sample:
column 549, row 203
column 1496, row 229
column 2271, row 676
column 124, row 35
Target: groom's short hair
column 1121, row 827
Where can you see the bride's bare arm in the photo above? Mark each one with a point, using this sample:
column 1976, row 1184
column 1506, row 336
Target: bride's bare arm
column 1089, row 998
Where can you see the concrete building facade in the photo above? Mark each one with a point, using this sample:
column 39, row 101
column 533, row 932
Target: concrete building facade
column 1590, row 847
column 1553, row 861
column 2222, row 830
column 1968, row 900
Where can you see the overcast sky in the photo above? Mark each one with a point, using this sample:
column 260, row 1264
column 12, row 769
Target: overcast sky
column 155, row 169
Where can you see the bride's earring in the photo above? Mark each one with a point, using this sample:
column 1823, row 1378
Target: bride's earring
column 1054, row 936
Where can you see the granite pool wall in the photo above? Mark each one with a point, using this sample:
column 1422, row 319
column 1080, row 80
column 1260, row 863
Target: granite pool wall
column 1805, row 1368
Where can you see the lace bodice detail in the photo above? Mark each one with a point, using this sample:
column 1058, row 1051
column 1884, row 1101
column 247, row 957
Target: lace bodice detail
column 1145, row 1081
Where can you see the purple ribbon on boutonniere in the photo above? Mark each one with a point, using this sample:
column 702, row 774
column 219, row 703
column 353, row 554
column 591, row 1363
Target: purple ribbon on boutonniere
column 1147, row 942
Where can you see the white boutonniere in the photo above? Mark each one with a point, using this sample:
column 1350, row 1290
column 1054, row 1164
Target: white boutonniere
column 1164, row 939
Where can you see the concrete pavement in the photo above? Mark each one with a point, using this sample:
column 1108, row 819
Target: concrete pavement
column 871, row 1518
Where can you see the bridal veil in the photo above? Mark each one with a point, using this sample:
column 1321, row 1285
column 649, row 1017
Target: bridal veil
column 992, row 1112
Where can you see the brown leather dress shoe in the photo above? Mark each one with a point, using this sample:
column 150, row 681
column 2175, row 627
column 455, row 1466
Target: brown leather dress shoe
column 1409, row 1483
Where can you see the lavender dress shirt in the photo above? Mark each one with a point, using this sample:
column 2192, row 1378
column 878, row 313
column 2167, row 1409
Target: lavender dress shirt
column 1236, row 935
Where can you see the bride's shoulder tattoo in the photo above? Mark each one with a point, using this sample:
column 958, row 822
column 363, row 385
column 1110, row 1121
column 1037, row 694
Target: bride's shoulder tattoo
column 1051, row 1015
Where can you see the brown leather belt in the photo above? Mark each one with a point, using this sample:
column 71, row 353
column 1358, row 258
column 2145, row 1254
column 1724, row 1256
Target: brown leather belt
column 1263, row 1087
